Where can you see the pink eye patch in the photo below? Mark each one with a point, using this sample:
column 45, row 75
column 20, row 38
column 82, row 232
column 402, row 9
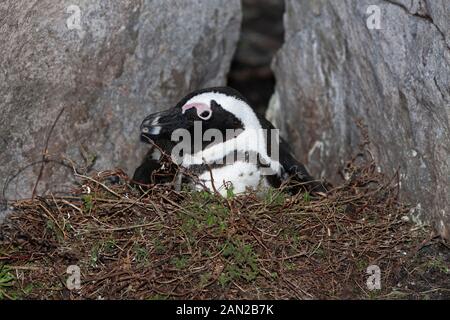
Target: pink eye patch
column 204, row 111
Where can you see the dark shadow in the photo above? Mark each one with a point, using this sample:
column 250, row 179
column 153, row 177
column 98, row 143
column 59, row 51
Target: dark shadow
column 262, row 36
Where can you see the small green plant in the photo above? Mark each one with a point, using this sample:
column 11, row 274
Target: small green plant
column 361, row 263
column 207, row 253
column 68, row 227
column 274, row 197
column 51, row 227
column 88, row 202
column 290, row 266
column 224, row 279
column 159, row 246
column 306, row 197
column 93, row 258
column 28, row 289
column 6, row 281
column 439, row 264
column 242, row 262
column 211, row 219
column 212, row 215
column 204, row 279
column 320, row 253
column 230, row 192
column 141, row 254
column 201, row 196
column 180, row 262
column 222, row 226
column 109, row 246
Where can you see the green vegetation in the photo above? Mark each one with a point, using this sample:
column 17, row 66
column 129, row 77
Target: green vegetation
column 6, row 281
column 241, row 262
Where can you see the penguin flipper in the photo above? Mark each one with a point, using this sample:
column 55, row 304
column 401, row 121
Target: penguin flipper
column 143, row 174
column 296, row 172
column 293, row 169
column 153, row 170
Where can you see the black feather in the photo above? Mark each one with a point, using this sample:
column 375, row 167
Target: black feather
column 293, row 169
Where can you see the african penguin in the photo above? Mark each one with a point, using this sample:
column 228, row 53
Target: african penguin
column 225, row 144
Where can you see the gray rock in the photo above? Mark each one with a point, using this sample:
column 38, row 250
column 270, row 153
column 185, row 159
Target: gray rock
column 334, row 70
column 105, row 64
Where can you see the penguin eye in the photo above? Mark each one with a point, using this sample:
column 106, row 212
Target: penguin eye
column 203, row 110
column 205, row 115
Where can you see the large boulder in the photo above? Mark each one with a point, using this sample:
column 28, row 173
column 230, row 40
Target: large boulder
column 94, row 69
column 337, row 67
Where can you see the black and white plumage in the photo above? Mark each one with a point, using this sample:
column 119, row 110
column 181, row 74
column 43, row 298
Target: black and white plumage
column 222, row 108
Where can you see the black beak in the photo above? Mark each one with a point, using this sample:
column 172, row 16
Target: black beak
column 160, row 125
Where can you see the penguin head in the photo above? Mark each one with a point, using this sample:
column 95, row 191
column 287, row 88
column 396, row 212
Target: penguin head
column 219, row 108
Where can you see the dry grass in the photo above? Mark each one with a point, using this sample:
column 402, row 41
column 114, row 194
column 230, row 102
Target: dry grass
column 164, row 244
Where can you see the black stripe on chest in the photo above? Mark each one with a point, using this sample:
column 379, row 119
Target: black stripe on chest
column 234, row 156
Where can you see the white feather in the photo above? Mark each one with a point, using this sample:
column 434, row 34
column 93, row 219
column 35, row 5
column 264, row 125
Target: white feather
column 241, row 175
column 155, row 121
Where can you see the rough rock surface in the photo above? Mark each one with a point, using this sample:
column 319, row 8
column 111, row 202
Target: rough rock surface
column 106, row 64
column 333, row 70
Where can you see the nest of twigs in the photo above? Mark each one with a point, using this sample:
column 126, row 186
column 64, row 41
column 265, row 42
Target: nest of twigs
column 167, row 244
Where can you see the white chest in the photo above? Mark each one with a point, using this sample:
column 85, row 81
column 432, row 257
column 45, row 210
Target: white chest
column 241, row 175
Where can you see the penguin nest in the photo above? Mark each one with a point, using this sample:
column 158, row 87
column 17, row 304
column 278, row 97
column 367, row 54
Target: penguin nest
column 164, row 244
